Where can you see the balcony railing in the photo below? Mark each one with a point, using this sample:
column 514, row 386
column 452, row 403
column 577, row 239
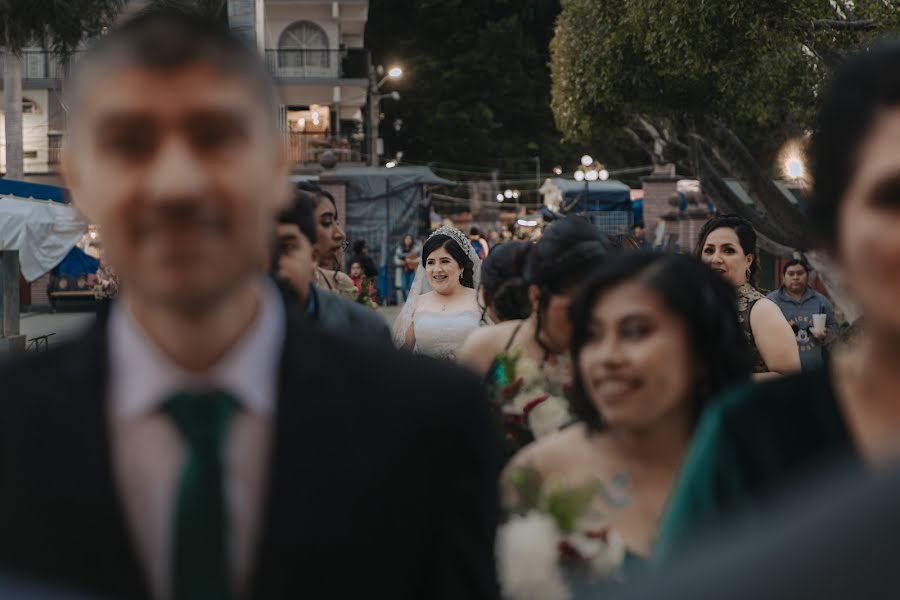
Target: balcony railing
column 309, row 147
column 350, row 63
column 38, row 64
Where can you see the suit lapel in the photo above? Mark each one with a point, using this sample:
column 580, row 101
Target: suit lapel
column 301, row 365
column 98, row 501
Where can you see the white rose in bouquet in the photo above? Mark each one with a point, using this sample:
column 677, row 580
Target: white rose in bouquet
column 549, row 416
column 530, row 373
column 528, row 559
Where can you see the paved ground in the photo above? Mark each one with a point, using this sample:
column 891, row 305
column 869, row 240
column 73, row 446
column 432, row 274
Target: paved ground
column 66, row 325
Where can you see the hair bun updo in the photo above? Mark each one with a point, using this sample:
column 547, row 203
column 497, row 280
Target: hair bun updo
column 503, row 280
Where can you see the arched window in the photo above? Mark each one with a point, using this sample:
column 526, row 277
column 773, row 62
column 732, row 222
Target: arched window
column 303, row 44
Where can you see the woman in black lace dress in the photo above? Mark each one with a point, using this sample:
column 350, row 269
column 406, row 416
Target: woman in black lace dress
column 727, row 244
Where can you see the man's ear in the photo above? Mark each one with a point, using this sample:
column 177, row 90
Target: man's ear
column 71, row 180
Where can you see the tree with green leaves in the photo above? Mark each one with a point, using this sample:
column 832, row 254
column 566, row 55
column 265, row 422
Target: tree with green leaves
column 57, row 26
column 476, row 87
column 714, row 87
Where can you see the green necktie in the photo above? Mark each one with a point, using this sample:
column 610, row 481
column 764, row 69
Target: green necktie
column 200, row 535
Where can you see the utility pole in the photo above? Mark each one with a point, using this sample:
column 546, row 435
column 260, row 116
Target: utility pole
column 373, row 118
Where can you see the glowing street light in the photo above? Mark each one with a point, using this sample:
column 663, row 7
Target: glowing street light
column 579, row 175
column 586, row 160
column 794, row 167
column 557, row 170
column 500, row 197
column 515, row 194
column 395, row 73
column 508, row 194
column 591, row 175
column 604, row 174
column 391, row 164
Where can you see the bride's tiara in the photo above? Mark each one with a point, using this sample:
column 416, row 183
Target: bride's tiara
column 458, row 236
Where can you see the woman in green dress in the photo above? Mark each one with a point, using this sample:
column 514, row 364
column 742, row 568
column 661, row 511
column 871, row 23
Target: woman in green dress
column 654, row 338
column 759, row 441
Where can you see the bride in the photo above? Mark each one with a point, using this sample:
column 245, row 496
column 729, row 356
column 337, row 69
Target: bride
column 441, row 310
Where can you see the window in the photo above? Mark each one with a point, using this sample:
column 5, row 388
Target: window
column 29, row 107
column 303, row 44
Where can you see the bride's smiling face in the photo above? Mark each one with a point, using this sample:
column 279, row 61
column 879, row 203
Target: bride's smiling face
column 443, row 272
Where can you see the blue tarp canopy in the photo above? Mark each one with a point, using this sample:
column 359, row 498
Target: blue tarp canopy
column 77, row 262
column 593, row 196
column 38, row 191
column 383, row 205
column 41, row 240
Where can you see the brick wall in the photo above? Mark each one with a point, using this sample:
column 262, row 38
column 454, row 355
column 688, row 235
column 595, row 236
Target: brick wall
column 39, row 295
column 657, row 190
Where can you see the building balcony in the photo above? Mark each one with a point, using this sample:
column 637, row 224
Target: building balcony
column 308, row 148
column 41, row 69
column 297, row 65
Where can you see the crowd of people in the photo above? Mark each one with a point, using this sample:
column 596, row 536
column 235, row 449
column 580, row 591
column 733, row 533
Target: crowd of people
column 576, row 417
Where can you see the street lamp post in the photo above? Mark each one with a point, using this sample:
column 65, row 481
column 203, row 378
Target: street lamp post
column 590, row 170
column 374, row 103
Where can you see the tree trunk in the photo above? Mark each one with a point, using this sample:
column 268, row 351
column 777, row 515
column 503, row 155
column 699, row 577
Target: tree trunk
column 12, row 111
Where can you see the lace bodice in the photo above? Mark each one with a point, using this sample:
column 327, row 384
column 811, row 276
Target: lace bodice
column 440, row 335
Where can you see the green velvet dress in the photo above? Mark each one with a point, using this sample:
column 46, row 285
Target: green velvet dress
column 751, row 444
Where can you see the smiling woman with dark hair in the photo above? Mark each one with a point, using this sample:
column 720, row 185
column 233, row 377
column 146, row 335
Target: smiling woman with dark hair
column 655, row 338
column 727, row 243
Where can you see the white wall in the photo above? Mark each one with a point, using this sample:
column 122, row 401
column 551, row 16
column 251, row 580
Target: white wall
column 34, row 133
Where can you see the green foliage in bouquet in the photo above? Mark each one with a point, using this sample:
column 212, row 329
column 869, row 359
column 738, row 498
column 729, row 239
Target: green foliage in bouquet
column 565, row 504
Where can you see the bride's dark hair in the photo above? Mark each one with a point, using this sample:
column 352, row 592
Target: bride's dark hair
column 454, row 250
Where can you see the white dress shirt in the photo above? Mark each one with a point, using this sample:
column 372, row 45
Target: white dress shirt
column 148, row 452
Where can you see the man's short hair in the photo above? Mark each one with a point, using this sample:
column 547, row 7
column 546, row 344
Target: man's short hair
column 168, row 38
column 637, row 224
column 359, row 245
column 793, row 263
column 301, row 213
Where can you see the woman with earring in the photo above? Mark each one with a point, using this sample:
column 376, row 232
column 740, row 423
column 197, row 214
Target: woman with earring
column 441, row 310
column 727, row 244
column 329, row 248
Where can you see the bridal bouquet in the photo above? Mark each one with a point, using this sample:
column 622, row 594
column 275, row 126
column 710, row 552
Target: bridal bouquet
column 533, row 401
column 365, row 292
column 552, row 532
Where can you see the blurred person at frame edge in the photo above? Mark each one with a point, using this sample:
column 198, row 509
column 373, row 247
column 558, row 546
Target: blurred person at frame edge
column 116, row 449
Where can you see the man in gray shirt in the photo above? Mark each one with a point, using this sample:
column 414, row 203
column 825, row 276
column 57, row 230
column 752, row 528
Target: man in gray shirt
column 799, row 303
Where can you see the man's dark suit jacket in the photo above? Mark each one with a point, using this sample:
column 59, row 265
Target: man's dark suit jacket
column 381, row 484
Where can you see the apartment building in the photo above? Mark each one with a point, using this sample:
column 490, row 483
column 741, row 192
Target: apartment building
column 313, row 50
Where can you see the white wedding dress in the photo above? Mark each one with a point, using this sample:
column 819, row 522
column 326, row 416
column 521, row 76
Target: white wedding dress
column 440, row 335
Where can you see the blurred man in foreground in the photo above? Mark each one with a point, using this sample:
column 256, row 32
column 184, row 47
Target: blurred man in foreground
column 202, row 443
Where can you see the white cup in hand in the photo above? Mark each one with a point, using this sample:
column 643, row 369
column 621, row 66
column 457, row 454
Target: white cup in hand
column 818, row 327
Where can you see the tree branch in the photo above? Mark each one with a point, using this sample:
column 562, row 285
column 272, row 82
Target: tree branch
column 849, row 25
